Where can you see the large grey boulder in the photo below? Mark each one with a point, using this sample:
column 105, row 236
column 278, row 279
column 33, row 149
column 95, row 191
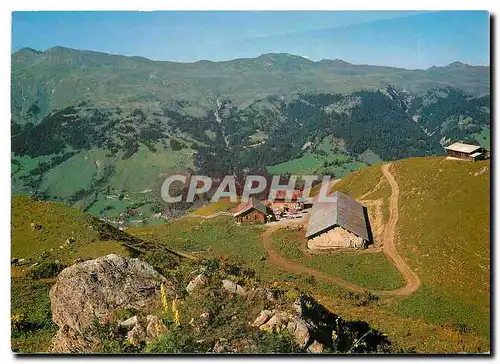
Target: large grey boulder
column 94, row 290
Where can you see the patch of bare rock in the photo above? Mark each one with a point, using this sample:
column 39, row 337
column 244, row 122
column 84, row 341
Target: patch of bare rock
column 94, row 291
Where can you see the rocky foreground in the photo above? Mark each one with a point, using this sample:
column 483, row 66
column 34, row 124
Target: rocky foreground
column 116, row 304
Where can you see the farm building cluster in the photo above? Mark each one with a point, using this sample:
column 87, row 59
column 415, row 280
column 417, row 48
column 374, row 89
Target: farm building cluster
column 282, row 207
column 341, row 222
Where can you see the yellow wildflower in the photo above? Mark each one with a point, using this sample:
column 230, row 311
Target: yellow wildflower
column 158, row 328
column 334, row 335
column 164, row 301
column 175, row 312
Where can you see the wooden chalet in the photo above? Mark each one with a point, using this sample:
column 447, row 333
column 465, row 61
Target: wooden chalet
column 252, row 211
column 341, row 223
column 466, row 152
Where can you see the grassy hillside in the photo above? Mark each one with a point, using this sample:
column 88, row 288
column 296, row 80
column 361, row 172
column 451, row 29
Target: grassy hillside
column 223, row 205
column 371, row 271
column 217, row 238
column 443, row 232
column 443, row 228
column 91, row 238
column 43, row 253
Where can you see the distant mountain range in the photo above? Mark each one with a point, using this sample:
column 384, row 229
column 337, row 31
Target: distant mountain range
column 101, row 131
column 59, row 77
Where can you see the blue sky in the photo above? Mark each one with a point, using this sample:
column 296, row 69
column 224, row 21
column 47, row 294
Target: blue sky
column 402, row 39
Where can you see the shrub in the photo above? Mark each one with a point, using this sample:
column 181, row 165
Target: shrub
column 461, row 327
column 177, row 341
column 112, row 339
column 274, row 342
column 361, row 299
column 211, row 266
column 310, row 280
column 176, row 145
column 45, row 270
column 291, row 295
column 19, row 323
column 126, row 313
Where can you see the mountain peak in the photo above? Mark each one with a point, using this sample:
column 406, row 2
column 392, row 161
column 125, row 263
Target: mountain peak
column 27, row 50
column 56, row 49
column 457, row 64
column 452, row 65
column 283, row 56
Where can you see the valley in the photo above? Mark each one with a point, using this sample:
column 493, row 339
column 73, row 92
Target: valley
column 94, row 136
column 83, row 147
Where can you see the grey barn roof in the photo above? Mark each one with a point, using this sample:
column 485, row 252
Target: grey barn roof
column 252, row 203
column 462, row 147
column 343, row 211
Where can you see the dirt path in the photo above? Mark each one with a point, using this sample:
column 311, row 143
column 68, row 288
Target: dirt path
column 389, row 248
column 411, row 278
column 220, row 213
column 292, row 266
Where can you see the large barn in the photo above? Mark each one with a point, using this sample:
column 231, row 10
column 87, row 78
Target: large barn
column 464, row 151
column 341, row 223
column 252, row 211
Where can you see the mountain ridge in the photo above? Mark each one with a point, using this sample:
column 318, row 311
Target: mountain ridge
column 81, row 121
column 261, row 56
column 60, row 77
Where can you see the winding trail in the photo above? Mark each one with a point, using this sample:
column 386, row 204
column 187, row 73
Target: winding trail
column 389, row 248
column 411, row 278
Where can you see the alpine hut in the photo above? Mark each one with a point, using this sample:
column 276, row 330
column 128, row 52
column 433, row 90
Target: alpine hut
column 466, row 152
column 252, row 211
column 341, row 223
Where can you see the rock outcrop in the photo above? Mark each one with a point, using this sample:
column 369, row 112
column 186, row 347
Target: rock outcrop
column 136, row 335
column 93, row 291
column 196, row 283
column 155, row 328
column 315, row 347
column 232, row 287
column 305, row 330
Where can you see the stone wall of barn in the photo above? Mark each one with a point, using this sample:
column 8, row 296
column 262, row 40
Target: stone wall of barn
column 336, row 238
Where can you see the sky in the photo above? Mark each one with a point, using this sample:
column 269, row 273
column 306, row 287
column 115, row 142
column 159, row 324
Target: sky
column 389, row 38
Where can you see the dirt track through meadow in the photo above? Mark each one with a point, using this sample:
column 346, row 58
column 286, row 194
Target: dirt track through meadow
column 389, row 249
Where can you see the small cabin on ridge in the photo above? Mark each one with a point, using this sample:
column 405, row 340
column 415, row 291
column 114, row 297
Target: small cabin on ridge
column 466, row 152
